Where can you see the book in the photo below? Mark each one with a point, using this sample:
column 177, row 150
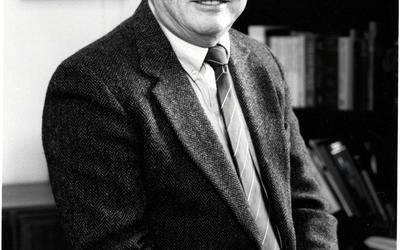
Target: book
column 310, row 69
column 363, row 153
column 258, row 32
column 349, row 172
column 290, row 52
column 318, row 171
column 326, row 84
column 370, row 37
column 325, row 70
column 299, row 50
column 262, row 33
column 361, row 69
column 334, row 178
column 375, row 198
column 309, row 62
column 345, row 73
column 391, row 211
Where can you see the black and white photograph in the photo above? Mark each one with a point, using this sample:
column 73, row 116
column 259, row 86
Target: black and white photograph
column 199, row 124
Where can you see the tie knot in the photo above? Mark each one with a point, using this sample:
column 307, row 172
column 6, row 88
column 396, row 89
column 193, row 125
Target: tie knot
column 217, row 56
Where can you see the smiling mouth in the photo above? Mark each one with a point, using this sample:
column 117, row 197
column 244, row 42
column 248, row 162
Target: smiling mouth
column 211, row 2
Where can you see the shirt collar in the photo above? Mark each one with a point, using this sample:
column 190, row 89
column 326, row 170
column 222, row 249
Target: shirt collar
column 189, row 55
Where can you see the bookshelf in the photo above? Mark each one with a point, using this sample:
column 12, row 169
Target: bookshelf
column 376, row 126
column 321, row 16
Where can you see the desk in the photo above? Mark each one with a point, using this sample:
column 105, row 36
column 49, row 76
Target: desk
column 30, row 220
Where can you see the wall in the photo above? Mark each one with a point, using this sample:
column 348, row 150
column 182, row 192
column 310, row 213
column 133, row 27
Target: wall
column 39, row 34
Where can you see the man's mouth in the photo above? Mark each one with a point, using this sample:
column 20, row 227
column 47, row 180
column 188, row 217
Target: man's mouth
column 211, row 2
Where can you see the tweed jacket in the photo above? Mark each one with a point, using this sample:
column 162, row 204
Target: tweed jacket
column 134, row 163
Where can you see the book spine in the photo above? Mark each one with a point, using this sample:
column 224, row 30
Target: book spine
column 360, row 72
column 345, row 73
column 328, row 71
column 339, row 194
column 371, row 35
column 301, row 69
column 284, row 48
column 293, row 65
column 326, row 189
column 310, row 70
column 351, row 177
column 258, row 32
column 336, row 181
column 374, row 195
column 318, row 86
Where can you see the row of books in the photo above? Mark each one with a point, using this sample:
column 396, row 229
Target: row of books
column 346, row 185
column 330, row 71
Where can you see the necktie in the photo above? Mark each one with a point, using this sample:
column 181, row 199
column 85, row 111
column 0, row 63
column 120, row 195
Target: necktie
column 239, row 145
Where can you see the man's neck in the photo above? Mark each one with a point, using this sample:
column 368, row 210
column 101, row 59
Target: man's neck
column 204, row 42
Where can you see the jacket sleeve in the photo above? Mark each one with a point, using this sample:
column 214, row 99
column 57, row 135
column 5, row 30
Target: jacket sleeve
column 94, row 163
column 315, row 228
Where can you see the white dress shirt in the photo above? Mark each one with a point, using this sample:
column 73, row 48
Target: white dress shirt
column 202, row 79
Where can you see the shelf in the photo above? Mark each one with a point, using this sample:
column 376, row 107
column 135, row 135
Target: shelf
column 321, row 16
column 27, row 195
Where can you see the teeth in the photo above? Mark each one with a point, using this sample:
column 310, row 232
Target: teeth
column 211, row 2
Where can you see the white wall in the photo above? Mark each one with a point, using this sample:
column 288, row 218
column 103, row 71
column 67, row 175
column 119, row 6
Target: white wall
column 39, row 34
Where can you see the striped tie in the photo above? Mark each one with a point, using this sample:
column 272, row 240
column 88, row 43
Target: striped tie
column 239, row 145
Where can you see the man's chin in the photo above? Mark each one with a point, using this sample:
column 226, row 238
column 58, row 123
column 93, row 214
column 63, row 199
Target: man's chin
column 209, row 38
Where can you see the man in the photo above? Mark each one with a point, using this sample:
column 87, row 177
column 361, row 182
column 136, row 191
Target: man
column 173, row 132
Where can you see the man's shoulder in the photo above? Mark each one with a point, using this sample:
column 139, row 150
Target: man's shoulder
column 115, row 46
column 259, row 52
column 110, row 63
column 259, row 55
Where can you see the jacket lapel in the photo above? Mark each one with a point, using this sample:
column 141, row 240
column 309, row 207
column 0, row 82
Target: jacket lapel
column 180, row 105
column 261, row 109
